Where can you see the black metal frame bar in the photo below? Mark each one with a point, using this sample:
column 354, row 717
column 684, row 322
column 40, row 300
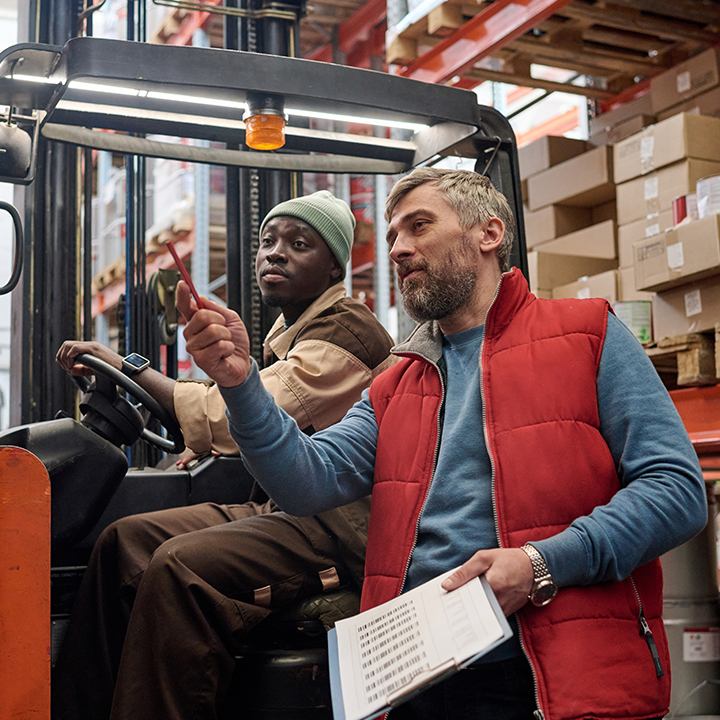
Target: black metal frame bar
column 456, row 124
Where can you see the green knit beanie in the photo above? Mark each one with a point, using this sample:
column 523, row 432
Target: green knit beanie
column 330, row 216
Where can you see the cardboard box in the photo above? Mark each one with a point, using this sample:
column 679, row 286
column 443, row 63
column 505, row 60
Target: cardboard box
column 585, row 180
column 692, row 77
column 546, row 152
column 707, row 103
column 622, row 130
column 639, row 106
column 679, row 137
column 598, row 140
column 547, row 270
column 553, row 221
column 639, row 230
column 597, row 241
column 626, row 286
column 649, row 195
column 691, row 308
column 689, row 252
column 637, row 316
column 603, row 285
column 606, row 211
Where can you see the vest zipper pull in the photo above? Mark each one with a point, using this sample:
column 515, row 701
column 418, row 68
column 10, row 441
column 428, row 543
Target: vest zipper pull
column 646, row 632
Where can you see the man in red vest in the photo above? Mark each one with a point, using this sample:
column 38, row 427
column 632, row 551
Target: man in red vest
column 528, row 440
column 323, row 350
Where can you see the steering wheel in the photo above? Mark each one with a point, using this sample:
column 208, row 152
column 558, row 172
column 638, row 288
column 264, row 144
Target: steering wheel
column 124, row 413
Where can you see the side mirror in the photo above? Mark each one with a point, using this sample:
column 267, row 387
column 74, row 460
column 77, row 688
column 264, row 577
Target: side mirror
column 15, row 151
column 18, row 251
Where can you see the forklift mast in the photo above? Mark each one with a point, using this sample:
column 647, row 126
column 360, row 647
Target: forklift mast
column 65, row 121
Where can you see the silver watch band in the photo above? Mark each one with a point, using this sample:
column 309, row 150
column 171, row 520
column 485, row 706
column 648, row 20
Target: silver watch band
column 540, row 568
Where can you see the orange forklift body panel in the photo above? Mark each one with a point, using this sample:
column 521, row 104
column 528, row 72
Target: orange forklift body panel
column 24, row 586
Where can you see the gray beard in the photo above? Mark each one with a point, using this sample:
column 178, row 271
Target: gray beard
column 439, row 294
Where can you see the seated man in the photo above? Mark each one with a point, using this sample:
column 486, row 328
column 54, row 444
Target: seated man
column 527, row 440
column 242, row 560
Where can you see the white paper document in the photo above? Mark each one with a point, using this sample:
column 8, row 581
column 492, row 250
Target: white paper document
column 386, row 655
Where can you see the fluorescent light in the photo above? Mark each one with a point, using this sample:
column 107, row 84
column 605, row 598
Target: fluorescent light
column 415, row 127
column 97, row 87
column 197, row 100
column 216, row 102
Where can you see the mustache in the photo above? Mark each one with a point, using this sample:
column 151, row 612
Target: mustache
column 406, row 266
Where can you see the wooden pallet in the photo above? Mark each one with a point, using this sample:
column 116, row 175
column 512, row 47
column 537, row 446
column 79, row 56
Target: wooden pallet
column 685, row 360
column 619, row 42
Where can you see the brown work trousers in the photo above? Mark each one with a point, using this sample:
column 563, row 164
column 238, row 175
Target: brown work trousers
column 168, row 596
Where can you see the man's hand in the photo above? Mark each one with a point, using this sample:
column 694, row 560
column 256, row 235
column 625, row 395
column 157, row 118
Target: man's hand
column 216, row 338
column 70, row 349
column 508, row 570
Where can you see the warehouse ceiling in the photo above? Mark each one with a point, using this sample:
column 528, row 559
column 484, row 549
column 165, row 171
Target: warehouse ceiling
column 617, row 43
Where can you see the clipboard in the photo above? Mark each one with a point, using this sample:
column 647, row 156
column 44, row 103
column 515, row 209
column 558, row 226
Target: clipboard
column 349, row 640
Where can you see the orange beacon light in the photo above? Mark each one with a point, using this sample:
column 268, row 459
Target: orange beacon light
column 264, row 121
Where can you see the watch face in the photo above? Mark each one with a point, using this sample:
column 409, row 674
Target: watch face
column 544, row 592
column 136, row 361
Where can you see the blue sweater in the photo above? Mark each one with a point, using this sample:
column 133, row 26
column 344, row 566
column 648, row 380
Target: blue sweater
column 661, row 505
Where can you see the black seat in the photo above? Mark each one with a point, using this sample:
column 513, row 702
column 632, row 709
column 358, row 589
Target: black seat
column 85, row 472
column 282, row 670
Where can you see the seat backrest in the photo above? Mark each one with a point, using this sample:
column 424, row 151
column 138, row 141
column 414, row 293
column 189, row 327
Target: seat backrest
column 85, row 471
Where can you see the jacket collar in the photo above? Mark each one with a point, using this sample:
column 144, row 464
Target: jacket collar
column 512, row 294
column 281, row 341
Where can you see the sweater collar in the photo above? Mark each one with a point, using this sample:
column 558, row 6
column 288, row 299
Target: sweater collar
column 281, row 340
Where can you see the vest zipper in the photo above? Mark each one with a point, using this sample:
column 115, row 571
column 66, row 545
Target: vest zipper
column 646, row 632
column 539, row 714
column 432, row 475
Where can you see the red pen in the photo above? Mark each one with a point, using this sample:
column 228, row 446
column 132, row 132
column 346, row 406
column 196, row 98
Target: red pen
column 185, row 274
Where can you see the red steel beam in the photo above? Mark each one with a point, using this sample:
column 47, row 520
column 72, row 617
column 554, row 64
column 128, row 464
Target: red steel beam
column 490, row 29
column 632, row 93
column 357, row 28
column 194, row 20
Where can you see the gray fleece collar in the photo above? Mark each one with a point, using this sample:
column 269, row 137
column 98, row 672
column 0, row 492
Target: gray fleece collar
column 425, row 340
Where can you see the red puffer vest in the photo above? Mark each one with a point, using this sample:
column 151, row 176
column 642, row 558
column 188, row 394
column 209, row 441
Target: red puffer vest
column 551, row 465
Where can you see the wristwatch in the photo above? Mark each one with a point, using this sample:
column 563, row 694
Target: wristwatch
column 133, row 363
column 544, row 588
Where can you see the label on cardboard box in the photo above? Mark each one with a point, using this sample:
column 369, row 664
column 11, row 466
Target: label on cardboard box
column 647, row 147
column 647, row 151
column 652, row 188
column 653, row 229
column 656, row 249
column 675, row 259
column 583, row 293
column 708, row 196
column 693, row 303
column 701, row 644
column 683, row 82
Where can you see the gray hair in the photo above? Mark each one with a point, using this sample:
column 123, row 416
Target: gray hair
column 472, row 197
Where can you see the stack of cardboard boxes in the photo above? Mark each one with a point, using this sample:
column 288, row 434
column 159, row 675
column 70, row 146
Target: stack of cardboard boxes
column 569, row 218
column 655, row 149
column 652, row 168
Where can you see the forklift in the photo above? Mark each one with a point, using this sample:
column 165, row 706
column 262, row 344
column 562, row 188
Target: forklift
column 81, row 457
